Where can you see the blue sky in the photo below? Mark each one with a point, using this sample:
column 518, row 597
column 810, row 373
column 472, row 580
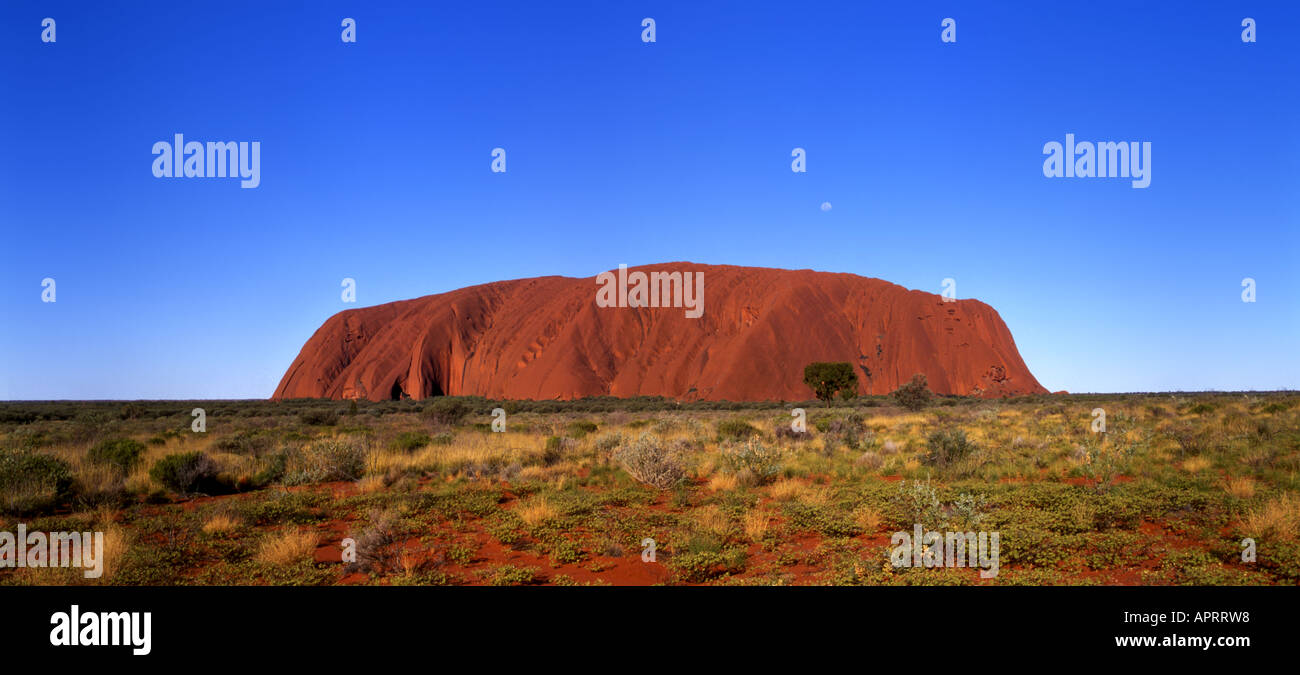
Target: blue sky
column 375, row 164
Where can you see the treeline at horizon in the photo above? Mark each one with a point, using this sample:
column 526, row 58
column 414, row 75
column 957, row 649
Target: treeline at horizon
column 23, row 412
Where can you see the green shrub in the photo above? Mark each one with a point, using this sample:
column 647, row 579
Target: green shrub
column 509, row 575
column 918, row 503
column 610, row 442
column 736, row 430
column 914, row 395
column 555, row 448
column 325, row 461
column 272, row 469
column 828, row 379
column 845, row 431
column 1191, row 439
column 581, row 428
column 647, row 460
column 442, row 438
column 446, row 410
column 245, row 443
column 324, row 418
column 944, row 447
column 123, row 453
column 754, row 459
column 410, row 441
column 30, row 482
column 703, row 557
column 185, row 473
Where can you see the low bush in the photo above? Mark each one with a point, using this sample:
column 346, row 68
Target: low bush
column 252, row 443
column 32, row 482
column 753, row 461
column 446, row 410
column 610, row 442
column 786, row 431
column 581, row 428
column 410, row 441
column 325, row 461
column 735, row 430
column 123, row 453
column 555, row 448
column 185, row 473
column 647, row 460
column 914, row 395
column 946, row 446
column 326, row 418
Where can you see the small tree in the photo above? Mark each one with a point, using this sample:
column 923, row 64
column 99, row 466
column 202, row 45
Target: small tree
column 914, row 395
column 446, row 410
column 828, row 379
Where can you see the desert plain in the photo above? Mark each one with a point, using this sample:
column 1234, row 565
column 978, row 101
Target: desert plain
column 1197, row 488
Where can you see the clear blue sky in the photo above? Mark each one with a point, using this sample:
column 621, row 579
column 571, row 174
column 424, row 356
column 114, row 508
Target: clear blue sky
column 375, row 165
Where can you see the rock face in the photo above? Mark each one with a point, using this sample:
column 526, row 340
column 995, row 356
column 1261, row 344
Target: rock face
column 547, row 338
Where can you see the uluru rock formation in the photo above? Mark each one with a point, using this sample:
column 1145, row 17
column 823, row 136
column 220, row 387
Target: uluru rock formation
column 547, row 338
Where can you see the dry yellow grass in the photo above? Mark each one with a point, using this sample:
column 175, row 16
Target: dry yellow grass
column 97, row 479
column 533, row 473
column 816, row 496
column 755, row 524
column 467, row 450
column 115, row 547
column 723, row 482
column 221, row 522
column 409, row 561
column 868, row 519
column 711, row 519
column 372, row 483
column 1241, row 488
column 287, row 547
column 535, row 511
column 785, row 490
column 1195, row 464
column 1277, row 519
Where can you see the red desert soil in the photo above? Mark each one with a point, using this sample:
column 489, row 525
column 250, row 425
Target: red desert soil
column 546, row 338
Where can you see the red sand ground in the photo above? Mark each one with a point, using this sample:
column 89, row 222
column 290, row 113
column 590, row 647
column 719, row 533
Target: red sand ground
column 629, row 570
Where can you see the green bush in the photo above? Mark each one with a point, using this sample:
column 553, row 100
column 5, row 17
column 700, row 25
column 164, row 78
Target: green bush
column 914, row 395
column 647, row 460
column 610, row 442
column 828, row 379
column 446, row 410
column 754, row 459
column 185, row 473
column 323, row 418
column 325, row 461
column 245, row 443
column 30, row 482
column 944, row 447
column 272, row 469
column 555, row 449
column 410, row 441
column 581, row 428
column 736, row 430
column 123, row 453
